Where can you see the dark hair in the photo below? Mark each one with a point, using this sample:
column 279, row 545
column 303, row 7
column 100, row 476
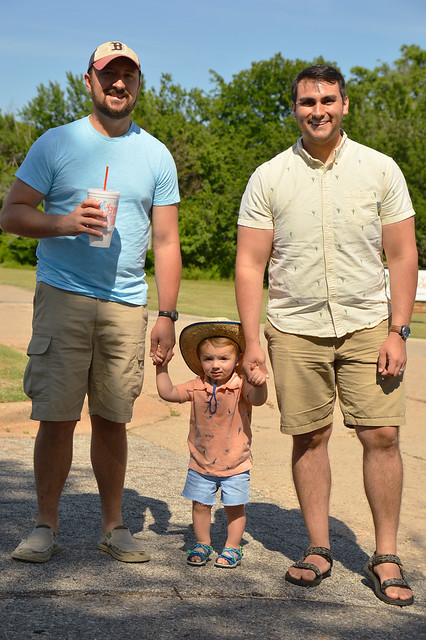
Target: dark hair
column 319, row 72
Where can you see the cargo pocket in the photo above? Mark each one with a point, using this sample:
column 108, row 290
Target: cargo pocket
column 138, row 372
column 37, row 372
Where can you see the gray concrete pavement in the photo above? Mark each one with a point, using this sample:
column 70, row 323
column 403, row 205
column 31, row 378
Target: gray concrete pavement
column 83, row 593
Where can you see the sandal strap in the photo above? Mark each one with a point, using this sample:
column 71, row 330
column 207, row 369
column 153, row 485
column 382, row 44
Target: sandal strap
column 307, row 565
column 323, row 552
column 394, row 582
column 201, row 550
column 391, row 582
column 234, row 554
column 386, row 557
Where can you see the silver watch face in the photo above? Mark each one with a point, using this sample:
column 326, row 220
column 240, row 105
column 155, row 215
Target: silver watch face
column 173, row 315
column 405, row 331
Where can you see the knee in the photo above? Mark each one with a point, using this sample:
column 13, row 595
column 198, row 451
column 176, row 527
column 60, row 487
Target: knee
column 56, row 431
column 103, row 425
column 380, row 438
column 313, row 440
column 235, row 511
column 199, row 507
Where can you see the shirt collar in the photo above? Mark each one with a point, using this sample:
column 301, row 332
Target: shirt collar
column 314, row 161
column 233, row 383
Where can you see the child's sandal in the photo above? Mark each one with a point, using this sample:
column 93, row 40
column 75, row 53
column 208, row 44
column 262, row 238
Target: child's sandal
column 201, row 551
column 232, row 556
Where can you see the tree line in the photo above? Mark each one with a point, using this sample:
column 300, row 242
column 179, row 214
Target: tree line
column 218, row 138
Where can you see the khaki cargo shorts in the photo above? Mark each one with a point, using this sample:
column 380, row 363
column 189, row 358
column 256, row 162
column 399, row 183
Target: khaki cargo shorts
column 308, row 371
column 80, row 346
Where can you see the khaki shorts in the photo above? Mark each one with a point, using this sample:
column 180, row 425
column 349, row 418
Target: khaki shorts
column 307, row 371
column 80, row 346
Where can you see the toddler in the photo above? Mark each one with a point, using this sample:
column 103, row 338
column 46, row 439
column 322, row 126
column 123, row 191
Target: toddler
column 219, row 434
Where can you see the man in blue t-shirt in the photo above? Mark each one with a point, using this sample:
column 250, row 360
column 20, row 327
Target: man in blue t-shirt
column 90, row 313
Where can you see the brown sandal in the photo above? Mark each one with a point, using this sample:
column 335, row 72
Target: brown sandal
column 379, row 587
column 317, row 551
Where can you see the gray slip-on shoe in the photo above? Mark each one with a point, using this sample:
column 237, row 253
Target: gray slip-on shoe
column 39, row 546
column 120, row 544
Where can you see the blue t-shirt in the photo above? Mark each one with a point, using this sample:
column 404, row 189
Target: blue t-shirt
column 62, row 164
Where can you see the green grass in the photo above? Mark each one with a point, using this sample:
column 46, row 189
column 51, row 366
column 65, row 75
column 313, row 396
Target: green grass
column 207, row 298
column 24, row 278
column 418, row 325
column 12, row 368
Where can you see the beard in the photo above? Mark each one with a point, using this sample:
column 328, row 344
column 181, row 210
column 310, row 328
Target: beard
column 116, row 114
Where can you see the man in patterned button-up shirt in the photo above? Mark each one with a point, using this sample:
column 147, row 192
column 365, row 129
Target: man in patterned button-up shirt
column 322, row 213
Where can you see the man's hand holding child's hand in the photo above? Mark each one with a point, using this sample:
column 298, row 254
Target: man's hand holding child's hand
column 257, row 376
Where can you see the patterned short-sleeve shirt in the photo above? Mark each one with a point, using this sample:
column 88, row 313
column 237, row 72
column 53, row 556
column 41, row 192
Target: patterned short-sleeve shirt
column 326, row 275
column 219, row 443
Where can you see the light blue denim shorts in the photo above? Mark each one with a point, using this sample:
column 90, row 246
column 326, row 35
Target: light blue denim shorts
column 202, row 488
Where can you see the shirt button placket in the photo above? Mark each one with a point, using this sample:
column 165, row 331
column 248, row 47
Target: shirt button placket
column 328, row 239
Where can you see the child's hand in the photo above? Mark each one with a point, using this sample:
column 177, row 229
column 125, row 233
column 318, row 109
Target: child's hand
column 157, row 356
column 257, row 376
column 162, row 341
column 257, row 391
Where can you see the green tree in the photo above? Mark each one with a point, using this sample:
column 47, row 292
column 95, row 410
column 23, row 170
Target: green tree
column 218, row 139
column 177, row 118
column 245, row 122
column 48, row 109
column 78, row 98
column 53, row 106
column 15, row 140
column 387, row 111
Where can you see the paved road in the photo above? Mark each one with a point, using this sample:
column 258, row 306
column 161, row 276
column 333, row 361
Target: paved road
column 84, row 594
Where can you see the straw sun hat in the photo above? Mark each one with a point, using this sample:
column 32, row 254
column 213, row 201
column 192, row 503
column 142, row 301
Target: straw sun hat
column 193, row 334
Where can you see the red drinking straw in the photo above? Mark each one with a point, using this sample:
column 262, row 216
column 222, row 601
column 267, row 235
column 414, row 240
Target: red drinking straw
column 106, row 177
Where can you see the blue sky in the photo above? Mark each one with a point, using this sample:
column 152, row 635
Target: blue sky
column 186, row 38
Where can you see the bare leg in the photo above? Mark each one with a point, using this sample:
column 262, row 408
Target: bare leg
column 312, row 479
column 52, row 462
column 236, row 524
column 383, row 488
column 109, row 459
column 201, row 519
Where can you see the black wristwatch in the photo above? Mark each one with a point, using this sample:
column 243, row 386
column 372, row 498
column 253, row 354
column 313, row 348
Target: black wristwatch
column 403, row 330
column 173, row 315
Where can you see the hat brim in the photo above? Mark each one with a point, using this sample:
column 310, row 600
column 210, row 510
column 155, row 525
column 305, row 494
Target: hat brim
column 193, row 334
column 100, row 64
